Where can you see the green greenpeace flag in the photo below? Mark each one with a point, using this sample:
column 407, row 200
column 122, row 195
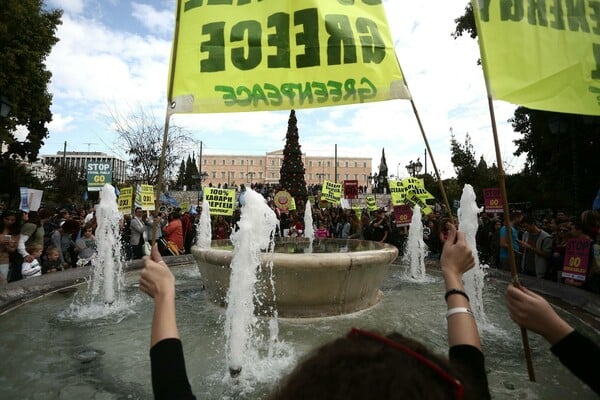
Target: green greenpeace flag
column 544, row 55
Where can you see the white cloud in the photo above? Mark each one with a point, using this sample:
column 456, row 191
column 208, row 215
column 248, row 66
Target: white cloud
column 154, row 20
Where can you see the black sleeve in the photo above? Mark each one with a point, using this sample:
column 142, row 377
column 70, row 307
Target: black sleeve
column 581, row 356
column 470, row 361
column 169, row 379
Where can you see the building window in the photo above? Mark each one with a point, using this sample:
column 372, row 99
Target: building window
column 251, row 162
column 319, row 163
column 329, row 163
column 223, row 163
column 310, row 163
column 355, row 164
column 346, row 164
column 241, row 162
column 214, row 162
column 260, row 162
column 365, row 164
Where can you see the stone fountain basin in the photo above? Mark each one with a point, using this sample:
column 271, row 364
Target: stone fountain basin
column 337, row 277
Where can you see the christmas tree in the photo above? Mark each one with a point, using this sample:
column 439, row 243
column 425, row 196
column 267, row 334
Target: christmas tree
column 292, row 169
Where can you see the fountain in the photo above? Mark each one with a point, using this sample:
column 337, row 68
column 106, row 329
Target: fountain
column 204, row 227
column 415, row 247
column 474, row 278
column 76, row 358
column 322, row 283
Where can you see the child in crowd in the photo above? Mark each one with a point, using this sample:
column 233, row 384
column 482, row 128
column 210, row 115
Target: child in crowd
column 33, row 268
column 322, row 231
column 51, row 261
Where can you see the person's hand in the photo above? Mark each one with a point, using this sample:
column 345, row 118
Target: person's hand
column 531, row 311
column 457, row 258
column 156, row 278
column 28, row 258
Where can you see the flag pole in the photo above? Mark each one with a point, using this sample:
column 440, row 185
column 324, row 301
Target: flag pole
column 511, row 251
column 168, row 112
column 437, row 173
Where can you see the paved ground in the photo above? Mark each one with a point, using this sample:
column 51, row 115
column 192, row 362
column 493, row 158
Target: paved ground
column 581, row 302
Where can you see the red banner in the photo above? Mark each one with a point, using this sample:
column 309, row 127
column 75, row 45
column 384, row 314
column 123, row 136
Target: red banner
column 577, row 257
column 492, row 199
column 402, row 215
column 351, row 189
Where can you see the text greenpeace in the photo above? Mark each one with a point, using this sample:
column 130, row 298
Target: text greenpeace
column 259, row 55
column 297, row 94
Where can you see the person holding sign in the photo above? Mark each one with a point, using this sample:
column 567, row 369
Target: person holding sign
column 576, row 352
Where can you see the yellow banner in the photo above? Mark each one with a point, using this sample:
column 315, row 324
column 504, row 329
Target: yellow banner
column 417, row 186
column 371, row 203
column 220, row 201
column 413, row 199
column 125, row 200
column 277, row 55
column 397, row 192
column 147, row 193
column 543, row 55
column 331, row 192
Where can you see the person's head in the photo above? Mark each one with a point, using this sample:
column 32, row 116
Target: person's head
column 497, row 225
column 88, row 230
column 9, row 222
column 35, row 249
column 528, row 224
column 138, row 212
column 364, row 365
column 564, row 230
column 515, row 217
column 34, row 218
column 52, row 254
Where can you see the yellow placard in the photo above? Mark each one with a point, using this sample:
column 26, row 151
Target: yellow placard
column 543, row 55
column 220, row 201
column 185, row 206
column 147, row 195
column 371, row 203
column 232, row 56
column 331, row 192
column 397, row 192
column 413, row 200
column 125, row 200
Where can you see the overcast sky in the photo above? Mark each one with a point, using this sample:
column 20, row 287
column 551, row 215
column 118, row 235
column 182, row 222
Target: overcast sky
column 114, row 54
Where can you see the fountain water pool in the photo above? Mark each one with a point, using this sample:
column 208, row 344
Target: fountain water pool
column 322, row 282
column 40, row 350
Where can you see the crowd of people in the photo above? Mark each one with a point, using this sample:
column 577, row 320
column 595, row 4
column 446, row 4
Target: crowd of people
column 540, row 245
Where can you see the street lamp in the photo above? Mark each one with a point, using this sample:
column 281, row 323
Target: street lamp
column 414, row 168
column 251, row 175
column 374, row 181
column 5, row 107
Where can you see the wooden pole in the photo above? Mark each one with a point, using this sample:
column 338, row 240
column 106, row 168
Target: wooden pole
column 437, row 173
column 507, row 224
column 161, row 173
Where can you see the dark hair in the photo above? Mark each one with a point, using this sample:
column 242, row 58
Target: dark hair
column 15, row 228
column 362, row 368
column 527, row 219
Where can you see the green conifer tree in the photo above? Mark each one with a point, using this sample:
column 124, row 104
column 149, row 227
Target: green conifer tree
column 292, row 169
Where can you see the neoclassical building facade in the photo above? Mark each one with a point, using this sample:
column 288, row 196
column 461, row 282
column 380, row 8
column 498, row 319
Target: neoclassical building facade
column 237, row 169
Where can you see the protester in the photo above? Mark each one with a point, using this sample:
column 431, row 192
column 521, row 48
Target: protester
column 137, row 232
column 9, row 231
column 361, row 365
column 174, row 232
column 537, row 248
column 576, row 352
column 379, row 227
column 85, row 246
column 32, row 268
column 514, row 219
column 51, row 261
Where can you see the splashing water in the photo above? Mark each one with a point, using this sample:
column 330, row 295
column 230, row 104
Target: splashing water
column 104, row 297
column 474, row 278
column 415, row 248
column 309, row 229
column 245, row 347
column 204, row 227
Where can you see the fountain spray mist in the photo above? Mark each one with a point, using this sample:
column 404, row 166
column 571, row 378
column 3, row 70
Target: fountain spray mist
column 254, row 234
column 474, row 278
column 107, row 263
column 204, row 227
column 309, row 229
column 415, row 247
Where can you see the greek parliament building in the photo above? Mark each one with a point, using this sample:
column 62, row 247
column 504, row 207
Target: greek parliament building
column 78, row 159
column 236, row 169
